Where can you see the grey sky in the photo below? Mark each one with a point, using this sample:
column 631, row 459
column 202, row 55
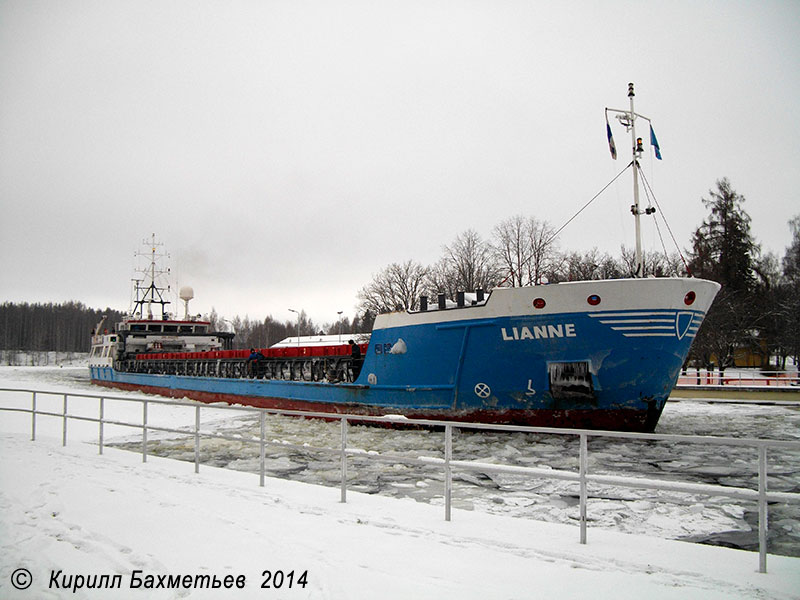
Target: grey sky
column 286, row 151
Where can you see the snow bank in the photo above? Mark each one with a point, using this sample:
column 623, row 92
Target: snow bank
column 73, row 511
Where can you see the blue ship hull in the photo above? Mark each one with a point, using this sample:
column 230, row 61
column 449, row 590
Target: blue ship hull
column 598, row 354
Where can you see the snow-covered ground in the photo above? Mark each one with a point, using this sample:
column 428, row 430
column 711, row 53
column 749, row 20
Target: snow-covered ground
column 70, row 510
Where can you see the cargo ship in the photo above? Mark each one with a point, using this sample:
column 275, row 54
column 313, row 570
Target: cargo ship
column 600, row 354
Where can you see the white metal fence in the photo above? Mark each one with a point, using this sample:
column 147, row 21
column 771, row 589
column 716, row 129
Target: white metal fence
column 760, row 446
column 740, row 378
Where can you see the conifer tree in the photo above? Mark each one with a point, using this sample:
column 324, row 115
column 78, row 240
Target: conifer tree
column 723, row 248
column 724, row 251
column 789, row 334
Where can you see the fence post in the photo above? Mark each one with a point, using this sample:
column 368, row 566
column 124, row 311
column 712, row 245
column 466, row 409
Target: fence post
column 197, row 439
column 448, row 473
column 344, row 459
column 64, row 425
column 583, row 467
column 100, row 425
column 762, row 509
column 262, row 457
column 33, row 417
column 144, row 431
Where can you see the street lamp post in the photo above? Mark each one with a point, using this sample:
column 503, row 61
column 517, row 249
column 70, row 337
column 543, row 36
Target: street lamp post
column 298, row 325
column 339, row 312
column 229, row 323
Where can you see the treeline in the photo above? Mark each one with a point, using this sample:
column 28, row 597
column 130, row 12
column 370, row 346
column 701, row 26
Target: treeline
column 65, row 327
column 29, row 358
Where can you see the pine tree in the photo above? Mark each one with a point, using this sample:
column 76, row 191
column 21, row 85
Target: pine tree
column 724, row 251
column 723, row 248
column 791, row 261
column 789, row 335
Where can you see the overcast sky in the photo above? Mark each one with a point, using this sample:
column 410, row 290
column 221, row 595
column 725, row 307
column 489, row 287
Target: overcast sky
column 285, row 152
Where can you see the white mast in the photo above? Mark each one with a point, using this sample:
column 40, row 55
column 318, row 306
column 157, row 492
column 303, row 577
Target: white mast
column 637, row 153
column 628, row 119
column 151, row 293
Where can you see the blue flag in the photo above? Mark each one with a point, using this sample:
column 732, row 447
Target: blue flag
column 654, row 143
column 611, row 145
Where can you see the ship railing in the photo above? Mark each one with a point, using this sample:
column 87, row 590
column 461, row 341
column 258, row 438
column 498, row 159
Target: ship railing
column 582, row 477
column 328, row 369
column 739, row 378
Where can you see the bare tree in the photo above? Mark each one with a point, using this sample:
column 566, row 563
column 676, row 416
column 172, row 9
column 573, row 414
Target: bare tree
column 512, row 249
column 524, row 249
column 542, row 249
column 581, row 266
column 468, row 264
column 584, row 266
column 609, row 268
column 442, row 279
column 656, row 264
column 397, row 287
column 214, row 319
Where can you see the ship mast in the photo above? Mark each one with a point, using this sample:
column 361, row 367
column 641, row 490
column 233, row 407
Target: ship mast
column 149, row 293
column 637, row 153
column 628, row 119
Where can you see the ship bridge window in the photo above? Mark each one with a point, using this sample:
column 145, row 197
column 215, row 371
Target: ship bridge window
column 137, row 327
column 186, row 329
column 154, row 328
column 170, row 328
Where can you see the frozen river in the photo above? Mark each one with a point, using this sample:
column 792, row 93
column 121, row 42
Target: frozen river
column 666, row 514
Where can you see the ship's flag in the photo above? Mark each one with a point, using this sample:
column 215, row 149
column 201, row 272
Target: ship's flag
column 611, row 145
column 654, row 143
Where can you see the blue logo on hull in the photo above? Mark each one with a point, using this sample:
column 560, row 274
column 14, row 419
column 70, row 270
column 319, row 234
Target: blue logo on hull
column 683, row 322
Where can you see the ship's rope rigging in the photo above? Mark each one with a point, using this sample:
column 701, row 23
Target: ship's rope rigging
column 585, row 206
column 651, row 198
